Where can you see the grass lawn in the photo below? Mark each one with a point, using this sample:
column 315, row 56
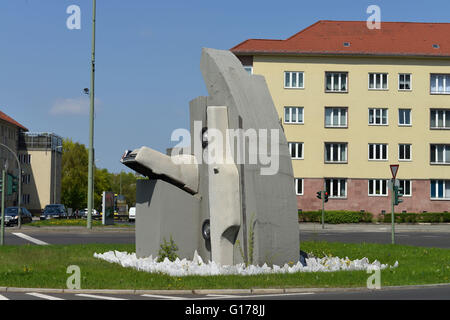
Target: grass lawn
column 45, row 267
column 73, row 222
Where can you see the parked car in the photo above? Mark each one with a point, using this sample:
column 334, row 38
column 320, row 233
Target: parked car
column 132, row 214
column 54, row 211
column 84, row 212
column 12, row 216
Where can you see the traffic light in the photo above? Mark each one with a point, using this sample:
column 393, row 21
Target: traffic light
column 15, row 183
column 398, row 192
column 319, row 195
column 326, row 196
column 1, row 184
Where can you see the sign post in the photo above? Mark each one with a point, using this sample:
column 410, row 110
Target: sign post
column 394, row 170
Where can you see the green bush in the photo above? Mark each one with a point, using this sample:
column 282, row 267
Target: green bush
column 335, row 217
column 167, row 250
column 429, row 217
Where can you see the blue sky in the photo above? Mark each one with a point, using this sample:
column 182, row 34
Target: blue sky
column 148, row 57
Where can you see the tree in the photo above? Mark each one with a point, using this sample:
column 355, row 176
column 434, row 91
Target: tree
column 74, row 174
column 75, row 160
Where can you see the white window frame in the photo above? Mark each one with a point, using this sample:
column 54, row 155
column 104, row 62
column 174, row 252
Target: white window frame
column 400, row 145
column 249, row 69
column 296, row 181
column 339, row 146
column 338, row 181
column 379, row 111
column 290, row 79
column 374, row 75
column 436, row 182
column 410, row 117
column 291, row 109
column 296, row 150
column 445, row 112
column 374, row 182
column 335, row 74
column 444, row 83
column 402, row 185
column 444, row 152
column 410, row 81
column 339, row 111
column 374, row 146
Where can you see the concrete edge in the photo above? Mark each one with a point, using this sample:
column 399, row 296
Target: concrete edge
column 214, row 291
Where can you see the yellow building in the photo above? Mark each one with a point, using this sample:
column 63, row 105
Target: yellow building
column 354, row 100
column 41, row 156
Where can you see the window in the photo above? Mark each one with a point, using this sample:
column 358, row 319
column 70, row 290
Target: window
column 440, row 189
column 298, row 186
column 25, row 199
column 404, row 152
column 378, row 117
column 296, row 149
column 404, row 117
column 25, row 158
column 335, row 117
column 336, row 188
column 440, row 153
column 404, row 81
column 440, row 83
column 26, row 179
column 336, row 81
column 440, row 119
column 377, row 151
column 249, row 69
column 335, row 152
column 378, row 188
column 378, row 81
column 405, row 185
column 293, row 114
column 293, row 79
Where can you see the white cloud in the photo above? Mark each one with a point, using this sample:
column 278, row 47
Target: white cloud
column 71, row 106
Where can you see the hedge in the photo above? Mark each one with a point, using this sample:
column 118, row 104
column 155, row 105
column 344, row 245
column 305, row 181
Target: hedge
column 335, row 217
column 437, row 217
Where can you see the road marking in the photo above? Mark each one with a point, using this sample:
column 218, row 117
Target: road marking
column 431, row 236
column 31, row 239
column 98, row 297
column 220, row 296
column 164, row 297
column 3, row 297
column 43, row 296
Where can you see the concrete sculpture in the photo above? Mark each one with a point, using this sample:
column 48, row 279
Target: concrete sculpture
column 232, row 185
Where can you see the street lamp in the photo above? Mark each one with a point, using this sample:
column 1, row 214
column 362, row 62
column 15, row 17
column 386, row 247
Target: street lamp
column 54, row 175
column 91, row 122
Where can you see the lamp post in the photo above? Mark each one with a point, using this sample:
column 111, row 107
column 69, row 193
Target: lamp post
column 19, row 222
column 54, row 175
column 91, row 127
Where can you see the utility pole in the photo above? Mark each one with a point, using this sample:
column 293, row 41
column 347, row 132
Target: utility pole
column 2, row 236
column 91, row 127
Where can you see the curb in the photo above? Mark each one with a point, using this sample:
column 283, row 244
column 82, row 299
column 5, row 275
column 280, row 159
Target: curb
column 214, row 291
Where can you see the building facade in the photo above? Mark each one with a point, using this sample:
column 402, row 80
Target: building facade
column 10, row 130
column 352, row 101
column 40, row 155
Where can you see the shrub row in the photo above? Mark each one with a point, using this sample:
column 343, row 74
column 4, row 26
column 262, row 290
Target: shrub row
column 335, row 217
column 417, row 217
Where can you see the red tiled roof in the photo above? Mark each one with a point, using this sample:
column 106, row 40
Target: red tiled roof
column 328, row 37
column 7, row 118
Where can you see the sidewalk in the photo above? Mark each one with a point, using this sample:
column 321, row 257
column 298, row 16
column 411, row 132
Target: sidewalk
column 375, row 227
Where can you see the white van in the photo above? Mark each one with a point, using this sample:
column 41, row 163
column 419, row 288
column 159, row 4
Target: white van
column 132, row 214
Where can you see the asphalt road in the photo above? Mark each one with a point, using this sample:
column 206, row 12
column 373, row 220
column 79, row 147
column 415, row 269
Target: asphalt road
column 438, row 237
column 413, row 293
